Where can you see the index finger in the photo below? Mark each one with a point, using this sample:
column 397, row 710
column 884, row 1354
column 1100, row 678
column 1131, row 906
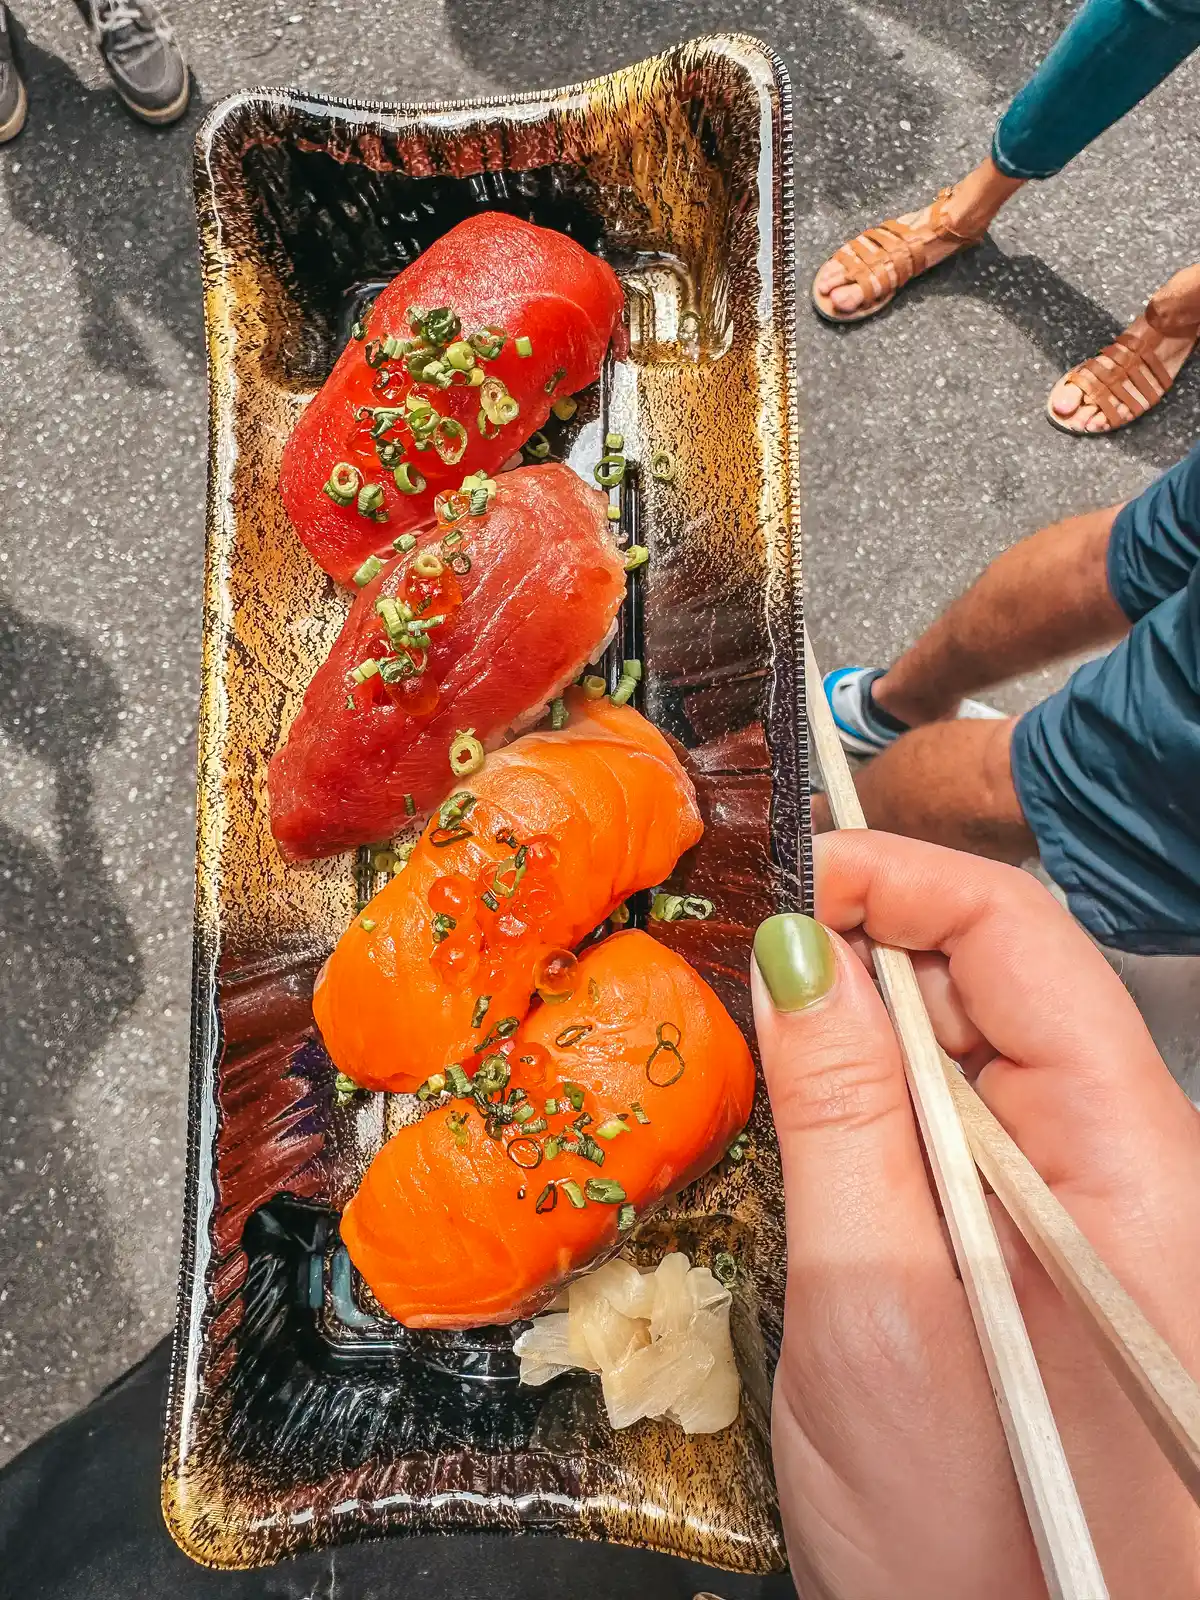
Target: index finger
column 1029, row 977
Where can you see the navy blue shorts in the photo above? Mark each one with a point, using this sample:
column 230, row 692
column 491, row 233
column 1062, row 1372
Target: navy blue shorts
column 1108, row 769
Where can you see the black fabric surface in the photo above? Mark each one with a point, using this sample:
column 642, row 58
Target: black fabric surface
column 80, row 1520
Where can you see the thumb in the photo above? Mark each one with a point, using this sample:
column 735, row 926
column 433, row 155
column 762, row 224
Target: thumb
column 854, row 1180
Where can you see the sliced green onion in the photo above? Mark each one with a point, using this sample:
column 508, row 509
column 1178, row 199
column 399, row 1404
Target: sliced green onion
column 555, row 378
column 590, row 1150
column 573, row 1193
column 574, row 1093
column 373, row 350
column 636, row 556
column 492, row 1073
column 366, row 924
column 343, row 483
column 593, row 687
column 558, row 714
column 626, row 1217
column 365, row 669
column 524, row 1114
column 370, row 568
column 605, row 1190
column 410, row 806
column 523, row 345
column 487, row 426
column 450, row 440
column 538, row 1125
column 359, row 330
column 460, row 355
column 609, row 471
column 457, row 1080
column 551, row 1147
column 639, row 1112
column 488, row 343
column 432, row 1086
column 593, row 991
column 370, row 502
column 610, row 1128
column 427, row 565
column 614, row 441
column 551, row 1108
column 632, row 669
column 443, row 926
column 620, row 916
column 404, row 543
column 484, row 1001
column 538, row 446
column 624, row 692
column 565, row 408
column 397, row 669
column 724, row 1269
column 466, row 754
column 458, row 1127
column 475, row 377
column 680, row 908
column 403, row 852
column 408, row 479
column 662, row 466
column 344, row 1089
column 441, row 326
column 547, row 1200
column 613, row 513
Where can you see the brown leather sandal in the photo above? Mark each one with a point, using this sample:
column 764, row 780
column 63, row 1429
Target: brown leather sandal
column 1131, row 380
column 896, row 245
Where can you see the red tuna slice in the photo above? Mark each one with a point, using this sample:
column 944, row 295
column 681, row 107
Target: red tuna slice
column 541, row 586
column 556, row 305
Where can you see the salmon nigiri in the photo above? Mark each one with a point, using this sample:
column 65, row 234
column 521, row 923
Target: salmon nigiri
column 480, row 1212
column 501, row 610
column 544, row 842
column 456, row 364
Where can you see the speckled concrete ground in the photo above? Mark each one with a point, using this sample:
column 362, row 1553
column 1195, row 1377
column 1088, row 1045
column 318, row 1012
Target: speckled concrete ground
column 925, row 452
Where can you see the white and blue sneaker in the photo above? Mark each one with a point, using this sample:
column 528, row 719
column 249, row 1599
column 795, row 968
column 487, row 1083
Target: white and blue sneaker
column 864, row 727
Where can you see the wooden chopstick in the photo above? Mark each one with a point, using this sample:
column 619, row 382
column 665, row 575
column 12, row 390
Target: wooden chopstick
column 1052, row 1505
column 1165, row 1394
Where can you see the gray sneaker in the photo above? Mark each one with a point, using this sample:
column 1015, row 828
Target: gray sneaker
column 144, row 61
column 13, row 100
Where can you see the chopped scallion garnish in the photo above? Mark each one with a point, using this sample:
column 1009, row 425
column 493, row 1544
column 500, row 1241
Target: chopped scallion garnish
column 370, row 568
column 485, row 1000
column 610, row 1128
column 574, row 1193
column 607, row 1191
column 565, row 408
column 558, row 714
column 636, row 556
column 638, row 1112
column 466, row 753
column 366, row 924
column 523, row 345
column 614, row 441
column 626, row 1217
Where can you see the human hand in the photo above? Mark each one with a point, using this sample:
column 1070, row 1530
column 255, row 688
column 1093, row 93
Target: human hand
column 894, row 1477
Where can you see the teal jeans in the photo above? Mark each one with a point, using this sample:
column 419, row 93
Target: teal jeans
column 1110, row 56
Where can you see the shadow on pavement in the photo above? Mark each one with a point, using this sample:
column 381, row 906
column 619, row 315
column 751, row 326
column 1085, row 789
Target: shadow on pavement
column 71, row 972
column 117, row 196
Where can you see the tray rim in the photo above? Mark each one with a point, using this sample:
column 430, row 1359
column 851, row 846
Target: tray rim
column 206, row 1036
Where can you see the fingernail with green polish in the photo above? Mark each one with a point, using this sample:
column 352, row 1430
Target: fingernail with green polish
column 796, row 959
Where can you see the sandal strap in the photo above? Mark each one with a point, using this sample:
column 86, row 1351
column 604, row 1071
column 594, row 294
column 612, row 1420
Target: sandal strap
column 943, row 230
column 895, row 245
column 1132, row 364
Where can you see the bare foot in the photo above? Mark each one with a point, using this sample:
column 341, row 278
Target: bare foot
column 1076, row 412
column 968, row 212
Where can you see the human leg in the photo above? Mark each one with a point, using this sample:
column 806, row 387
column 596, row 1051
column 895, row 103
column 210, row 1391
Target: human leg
column 13, row 100
column 1110, row 56
column 1044, row 598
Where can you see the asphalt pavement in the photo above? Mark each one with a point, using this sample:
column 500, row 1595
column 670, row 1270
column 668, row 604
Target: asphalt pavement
column 925, row 453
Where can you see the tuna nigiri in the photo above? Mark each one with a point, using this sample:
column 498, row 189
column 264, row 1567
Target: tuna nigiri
column 456, row 364
column 549, row 838
column 478, row 1215
column 479, row 625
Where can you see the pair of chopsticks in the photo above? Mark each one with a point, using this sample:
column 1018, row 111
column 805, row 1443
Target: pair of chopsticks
column 960, row 1135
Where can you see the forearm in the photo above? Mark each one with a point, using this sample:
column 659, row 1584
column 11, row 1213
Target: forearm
column 1046, row 598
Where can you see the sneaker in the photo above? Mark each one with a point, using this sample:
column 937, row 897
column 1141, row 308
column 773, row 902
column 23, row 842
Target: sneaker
column 144, row 62
column 14, row 102
column 864, row 727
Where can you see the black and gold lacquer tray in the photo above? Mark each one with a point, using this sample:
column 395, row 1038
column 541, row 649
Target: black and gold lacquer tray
column 299, row 1417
